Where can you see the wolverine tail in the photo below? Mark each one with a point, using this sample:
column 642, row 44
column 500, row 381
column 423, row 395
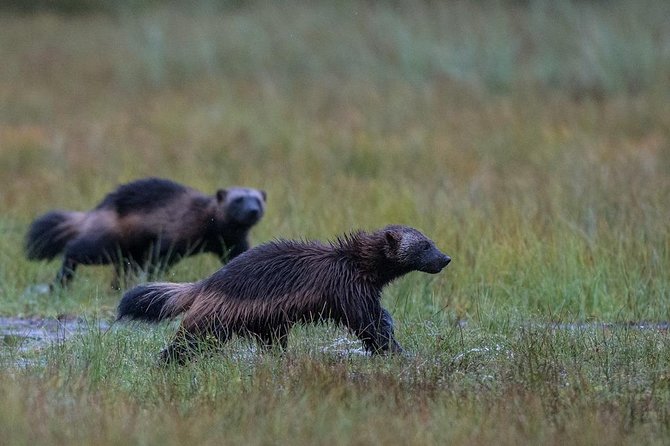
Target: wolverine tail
column 157, row 301
column 48, row 234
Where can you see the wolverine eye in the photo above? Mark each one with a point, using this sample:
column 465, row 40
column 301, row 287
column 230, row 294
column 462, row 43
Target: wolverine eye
column 425, row 246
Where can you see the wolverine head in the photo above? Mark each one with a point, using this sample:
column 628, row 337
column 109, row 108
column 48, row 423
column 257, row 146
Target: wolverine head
column 412, row 250
column 242, row 206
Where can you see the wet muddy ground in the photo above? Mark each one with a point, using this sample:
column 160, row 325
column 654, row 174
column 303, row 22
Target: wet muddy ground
column 21, row 337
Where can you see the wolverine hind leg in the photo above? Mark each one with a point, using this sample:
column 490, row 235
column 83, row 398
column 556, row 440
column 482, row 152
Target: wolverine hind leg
column 189, row 343
column 86, row 250
column 273, row 338
column 66, row 272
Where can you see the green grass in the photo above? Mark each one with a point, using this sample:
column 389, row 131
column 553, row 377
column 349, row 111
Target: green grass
column 520, row 385
column 530, row 141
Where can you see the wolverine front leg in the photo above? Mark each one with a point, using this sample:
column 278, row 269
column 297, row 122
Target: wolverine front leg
column 376, row 332
column 388, row 333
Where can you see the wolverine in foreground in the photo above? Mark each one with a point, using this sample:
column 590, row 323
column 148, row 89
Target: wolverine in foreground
column 263, row 292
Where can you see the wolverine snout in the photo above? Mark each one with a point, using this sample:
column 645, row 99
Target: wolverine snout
column 254, row 213
column 441, row 262
column 436, row 264
column 251, row 216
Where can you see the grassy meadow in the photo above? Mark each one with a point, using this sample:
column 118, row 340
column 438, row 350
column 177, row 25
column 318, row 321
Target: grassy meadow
column 530, row 140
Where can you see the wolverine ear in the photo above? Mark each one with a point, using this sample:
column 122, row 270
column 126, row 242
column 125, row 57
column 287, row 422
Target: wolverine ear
column 264, row 195
column 392, row 239
column 221, row 195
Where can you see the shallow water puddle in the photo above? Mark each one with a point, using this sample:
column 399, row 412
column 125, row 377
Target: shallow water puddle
column 345, row 347
column 585, row 326
column 27, row 334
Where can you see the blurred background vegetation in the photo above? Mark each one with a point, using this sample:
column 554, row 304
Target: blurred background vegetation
column 586, row 47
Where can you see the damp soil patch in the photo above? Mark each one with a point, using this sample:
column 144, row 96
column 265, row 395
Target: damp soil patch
column 23, row 338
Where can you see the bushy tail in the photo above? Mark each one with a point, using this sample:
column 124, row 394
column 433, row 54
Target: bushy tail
column 48, row 234
column 157, row 301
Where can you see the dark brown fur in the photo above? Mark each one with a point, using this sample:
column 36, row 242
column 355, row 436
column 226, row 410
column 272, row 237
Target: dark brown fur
column 265, row 291
column 147, row 224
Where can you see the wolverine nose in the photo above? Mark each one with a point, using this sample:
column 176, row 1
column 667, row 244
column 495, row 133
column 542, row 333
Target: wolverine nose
column 254, row 213
column 447, row 259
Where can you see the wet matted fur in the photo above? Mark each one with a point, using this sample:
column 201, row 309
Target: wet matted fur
column 265, row 291
column 147, row 224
